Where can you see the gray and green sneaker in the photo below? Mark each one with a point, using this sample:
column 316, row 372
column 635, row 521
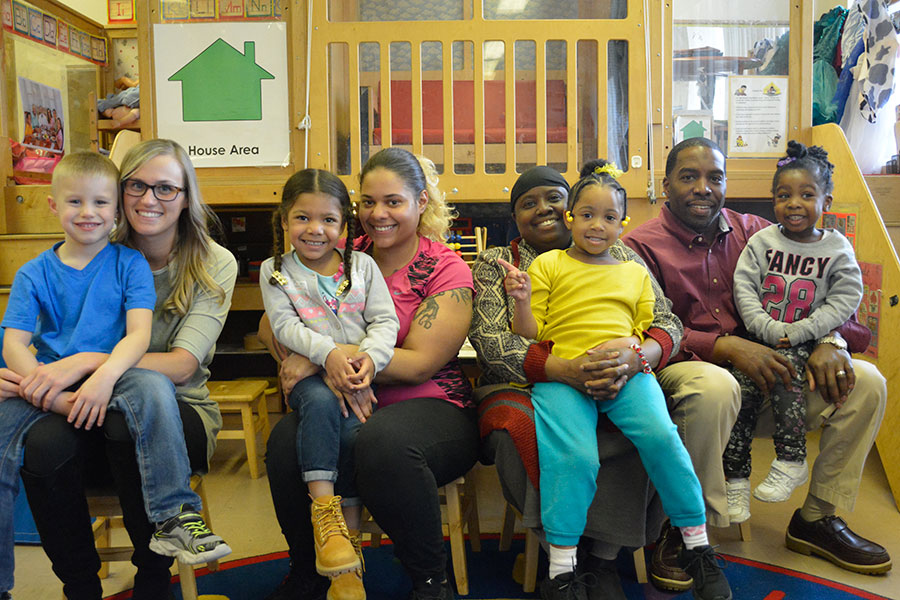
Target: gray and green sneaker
column 186, row 537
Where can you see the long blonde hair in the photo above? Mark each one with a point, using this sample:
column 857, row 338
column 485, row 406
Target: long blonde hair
column 187, row 260
column 418, row 173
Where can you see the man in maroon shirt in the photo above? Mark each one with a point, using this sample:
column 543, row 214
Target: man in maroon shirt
column 692, row 249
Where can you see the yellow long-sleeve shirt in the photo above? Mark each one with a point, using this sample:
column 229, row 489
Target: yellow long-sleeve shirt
column 579, row 306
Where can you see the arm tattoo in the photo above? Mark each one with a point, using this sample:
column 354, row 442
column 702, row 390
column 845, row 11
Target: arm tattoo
column 428, row 310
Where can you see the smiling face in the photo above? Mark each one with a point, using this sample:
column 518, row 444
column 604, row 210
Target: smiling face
column 314, row 226
column 539, row 217
column 799, row 204
column 389, row 211
column 149, row 217
column 696, row 188
column 86, row 207
column 596, row 223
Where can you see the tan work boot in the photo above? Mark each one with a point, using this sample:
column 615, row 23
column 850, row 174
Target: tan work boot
column 334, row 552
column 349, row 586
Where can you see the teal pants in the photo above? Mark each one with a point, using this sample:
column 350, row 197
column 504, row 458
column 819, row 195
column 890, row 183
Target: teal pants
column 566, row 424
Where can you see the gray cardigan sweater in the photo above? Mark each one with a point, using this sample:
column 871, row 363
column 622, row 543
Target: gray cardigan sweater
column 304, row 323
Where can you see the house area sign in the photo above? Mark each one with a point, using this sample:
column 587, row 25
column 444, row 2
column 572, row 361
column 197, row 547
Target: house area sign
column 222, row 92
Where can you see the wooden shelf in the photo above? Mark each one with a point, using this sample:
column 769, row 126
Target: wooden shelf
column 246, row 296
column 112, row 125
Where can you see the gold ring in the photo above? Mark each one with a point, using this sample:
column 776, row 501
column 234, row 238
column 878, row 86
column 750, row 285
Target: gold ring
column 841, row 373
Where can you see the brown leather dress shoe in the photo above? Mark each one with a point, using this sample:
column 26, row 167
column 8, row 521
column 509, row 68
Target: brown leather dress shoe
column 665, row 570
column 830, row 538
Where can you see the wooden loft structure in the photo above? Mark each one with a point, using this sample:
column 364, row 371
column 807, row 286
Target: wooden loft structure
column 537, row 112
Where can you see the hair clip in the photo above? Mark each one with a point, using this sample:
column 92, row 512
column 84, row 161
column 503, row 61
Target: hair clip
column 610, row 169
column 569, row 216
column 279, row 278
column 785, row 161
column 626, row 221
column 354, row 208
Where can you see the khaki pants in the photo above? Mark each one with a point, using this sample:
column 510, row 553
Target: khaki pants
column 704, row 401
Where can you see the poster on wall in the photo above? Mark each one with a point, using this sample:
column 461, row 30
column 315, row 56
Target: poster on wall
column 843, row 223
column 43, row 110
column 757, row 115
column 7, row 14
column 222, row 92
column 121, row 11
column 49, row 31
column 692, row 123
column 869, row 313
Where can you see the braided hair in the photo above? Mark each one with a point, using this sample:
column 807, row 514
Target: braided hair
column 593, row 173
column 814, row 160
column 310, row 181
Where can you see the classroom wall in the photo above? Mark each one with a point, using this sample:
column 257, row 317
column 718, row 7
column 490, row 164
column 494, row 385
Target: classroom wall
column 92, row 9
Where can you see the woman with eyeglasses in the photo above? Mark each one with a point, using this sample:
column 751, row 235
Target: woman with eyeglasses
column 164, row 217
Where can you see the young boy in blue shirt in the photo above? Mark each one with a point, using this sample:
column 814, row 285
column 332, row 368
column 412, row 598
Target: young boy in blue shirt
column 87, row 295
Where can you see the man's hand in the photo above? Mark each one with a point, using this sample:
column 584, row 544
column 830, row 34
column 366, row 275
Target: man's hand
column 830, row 370
column 758, row 362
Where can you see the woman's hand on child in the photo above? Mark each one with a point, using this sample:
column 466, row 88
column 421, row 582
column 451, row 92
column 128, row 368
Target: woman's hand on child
column 360, row 402
column 295, row 368
column 9, row 383
column 516, row 283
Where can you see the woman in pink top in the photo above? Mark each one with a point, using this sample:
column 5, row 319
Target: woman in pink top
column 424, row 433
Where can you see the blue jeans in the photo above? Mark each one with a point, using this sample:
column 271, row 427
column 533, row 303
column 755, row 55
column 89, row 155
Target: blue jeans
column 565, row 422
column 147, row 399
column 325, row 438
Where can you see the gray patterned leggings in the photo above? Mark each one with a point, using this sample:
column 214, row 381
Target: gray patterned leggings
column 788, row 407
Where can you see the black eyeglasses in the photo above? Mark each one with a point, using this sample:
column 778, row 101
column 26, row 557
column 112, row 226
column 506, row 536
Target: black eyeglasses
column 164, row 192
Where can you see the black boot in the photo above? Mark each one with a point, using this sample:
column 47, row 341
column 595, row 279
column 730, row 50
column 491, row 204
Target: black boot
column 153, row 579
column 61, row 515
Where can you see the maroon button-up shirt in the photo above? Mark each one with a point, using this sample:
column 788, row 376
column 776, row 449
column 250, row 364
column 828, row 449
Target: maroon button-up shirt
column 697, row 275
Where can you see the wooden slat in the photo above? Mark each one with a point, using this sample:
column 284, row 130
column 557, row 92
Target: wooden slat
column 16, row 250
column 571, row 106
column 602, row 100
column 353, row 67
column 447, row 79
column 416, row 64
column 509, row 73
column 540, row 76
column 386, row 133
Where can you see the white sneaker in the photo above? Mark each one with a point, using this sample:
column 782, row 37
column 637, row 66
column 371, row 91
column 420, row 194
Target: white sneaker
column 737, row 491
column 783, row 478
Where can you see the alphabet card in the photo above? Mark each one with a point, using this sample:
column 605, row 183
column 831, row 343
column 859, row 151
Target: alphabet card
column 222, row 92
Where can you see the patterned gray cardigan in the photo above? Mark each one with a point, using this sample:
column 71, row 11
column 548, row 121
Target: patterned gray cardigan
column 506, row 357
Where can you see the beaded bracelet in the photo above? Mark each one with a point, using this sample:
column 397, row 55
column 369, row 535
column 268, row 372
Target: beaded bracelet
column 645, row 366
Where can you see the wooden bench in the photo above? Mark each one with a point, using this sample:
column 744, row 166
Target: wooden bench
column 241, row 395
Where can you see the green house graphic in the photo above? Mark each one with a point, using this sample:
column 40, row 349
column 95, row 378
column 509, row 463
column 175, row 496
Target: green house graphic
column 221, row 84
column 693, row 129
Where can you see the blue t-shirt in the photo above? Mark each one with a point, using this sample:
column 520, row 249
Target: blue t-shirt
column 71, row 311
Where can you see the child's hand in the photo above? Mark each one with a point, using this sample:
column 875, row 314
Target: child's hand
column 9, row 384
column 365, row 371
column 339, row 369
column 517, row 283
column 89, row 402
column 360, row 402
column 783, row 343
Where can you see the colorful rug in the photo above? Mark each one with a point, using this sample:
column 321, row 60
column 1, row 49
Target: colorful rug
column 490, row 577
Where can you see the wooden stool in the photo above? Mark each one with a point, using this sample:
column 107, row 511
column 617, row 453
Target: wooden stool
column 459, row 504
column 532, row 546
column 107, row 514
column 241, row 395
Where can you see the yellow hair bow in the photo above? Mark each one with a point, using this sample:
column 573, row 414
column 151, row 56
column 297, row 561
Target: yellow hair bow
column 626, row 221
column 610, row 169
column 569, row 216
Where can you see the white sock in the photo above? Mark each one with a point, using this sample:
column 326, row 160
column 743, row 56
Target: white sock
column 562, row 560
column 694, row 536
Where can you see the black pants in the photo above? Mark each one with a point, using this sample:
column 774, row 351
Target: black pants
column 60, row 463
column 404, row 453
